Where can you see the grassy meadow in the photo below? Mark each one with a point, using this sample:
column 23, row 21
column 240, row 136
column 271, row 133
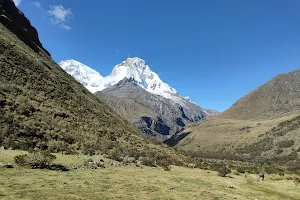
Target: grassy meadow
column 131, row 182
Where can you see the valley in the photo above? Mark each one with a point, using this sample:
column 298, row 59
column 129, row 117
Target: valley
column 67, row 132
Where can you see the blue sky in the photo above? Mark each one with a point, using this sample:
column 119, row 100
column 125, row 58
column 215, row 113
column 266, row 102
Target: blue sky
column 214, row 51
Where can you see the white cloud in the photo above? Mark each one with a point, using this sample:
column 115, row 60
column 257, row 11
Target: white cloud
column 37, row 4
column 59, row 16
column 17, row 2
column 66, row 27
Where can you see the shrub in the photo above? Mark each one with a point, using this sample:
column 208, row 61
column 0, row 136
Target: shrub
column 35, row 158
column 148, row 161
column 38, row 160
column 223, row 171
column 279, row 151
column 240, row 169
column 164, row 164
column 285, row 144
column 281, row 173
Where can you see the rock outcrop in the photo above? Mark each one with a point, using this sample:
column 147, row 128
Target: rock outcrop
column 17, row 23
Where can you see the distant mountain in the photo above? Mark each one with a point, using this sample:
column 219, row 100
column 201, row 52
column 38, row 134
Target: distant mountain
column 133, row 81
column 135, row 68
column 262, row 126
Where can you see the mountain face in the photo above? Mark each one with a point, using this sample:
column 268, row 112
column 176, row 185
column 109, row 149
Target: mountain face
column 169, row 117
column 262, row 126
column 133, row 81
column 41, row 106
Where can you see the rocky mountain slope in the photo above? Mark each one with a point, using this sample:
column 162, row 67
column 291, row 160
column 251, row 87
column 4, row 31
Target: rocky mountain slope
column 263, row 126
column 142, row 97
column 169, row 116
column 41, row 106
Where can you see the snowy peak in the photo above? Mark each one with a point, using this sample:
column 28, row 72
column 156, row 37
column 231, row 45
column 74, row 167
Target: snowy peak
column 137, row 69
column 85, row 75
column 134, row 68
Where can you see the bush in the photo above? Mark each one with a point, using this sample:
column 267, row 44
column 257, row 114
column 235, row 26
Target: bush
column 285, row 144
column 240, row 169
column 147, row 161
column 223, row 171
column 279, row 151
column 281, row 173
column 39, row 160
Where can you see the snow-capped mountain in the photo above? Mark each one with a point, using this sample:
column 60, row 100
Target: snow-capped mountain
column 140, row 96
column 135, row 68
column 87, row 76
column 132, row 68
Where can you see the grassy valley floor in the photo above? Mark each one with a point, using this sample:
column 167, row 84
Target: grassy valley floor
column 130, row 182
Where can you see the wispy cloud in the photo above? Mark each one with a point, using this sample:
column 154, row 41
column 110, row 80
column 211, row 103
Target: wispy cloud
column 60, row 15
column 37, row 4
column 66, row 27
column 17, row 2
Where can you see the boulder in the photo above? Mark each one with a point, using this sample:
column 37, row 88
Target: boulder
column 93, row 165
column 131, row 160
column 139, row 164
column 6, row 165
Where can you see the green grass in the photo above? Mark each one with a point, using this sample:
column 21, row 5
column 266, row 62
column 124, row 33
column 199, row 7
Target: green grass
column 130, row 182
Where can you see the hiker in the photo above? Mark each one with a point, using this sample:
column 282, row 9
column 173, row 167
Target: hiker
column 244, row 175
column 258, row 178
column 262, row 177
